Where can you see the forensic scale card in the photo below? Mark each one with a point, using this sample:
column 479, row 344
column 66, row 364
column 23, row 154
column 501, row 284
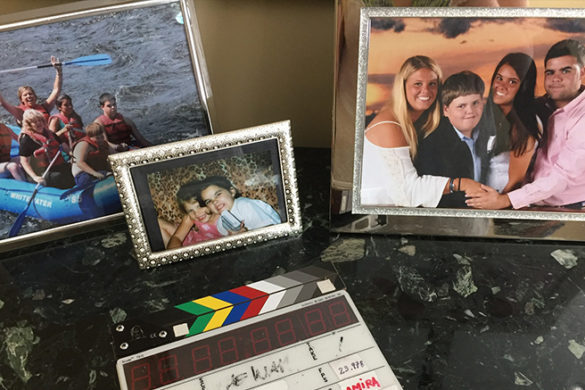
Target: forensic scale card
column 318, row 343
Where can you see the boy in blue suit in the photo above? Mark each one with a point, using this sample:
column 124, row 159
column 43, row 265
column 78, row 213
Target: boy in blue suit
column 450, row 150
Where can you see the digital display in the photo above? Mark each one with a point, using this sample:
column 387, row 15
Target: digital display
column 238, row 344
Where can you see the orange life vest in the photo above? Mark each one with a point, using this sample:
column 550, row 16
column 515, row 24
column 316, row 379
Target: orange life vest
column 49, row 146
column 97, row 158
column 6, row 136
column 74, row 122
column 116, row 129
column 38, row 107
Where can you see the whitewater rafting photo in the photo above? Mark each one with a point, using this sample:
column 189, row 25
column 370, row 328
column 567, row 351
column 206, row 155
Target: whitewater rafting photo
column 210, row 194
column 80, row 86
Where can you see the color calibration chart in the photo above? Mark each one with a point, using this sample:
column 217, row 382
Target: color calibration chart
column 317, row 342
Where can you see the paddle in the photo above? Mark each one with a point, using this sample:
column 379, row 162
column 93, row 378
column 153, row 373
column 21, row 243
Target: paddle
column 82, row 187
column 20, row 219
column 92, row 60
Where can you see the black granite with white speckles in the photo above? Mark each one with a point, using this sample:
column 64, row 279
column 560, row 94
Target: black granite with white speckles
column 447, row 313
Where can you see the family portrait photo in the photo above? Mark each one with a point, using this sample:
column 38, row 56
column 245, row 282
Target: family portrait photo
column 470, row 113
column 76, row 88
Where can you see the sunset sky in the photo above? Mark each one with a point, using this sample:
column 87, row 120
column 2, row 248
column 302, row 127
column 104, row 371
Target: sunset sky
column 459, row 44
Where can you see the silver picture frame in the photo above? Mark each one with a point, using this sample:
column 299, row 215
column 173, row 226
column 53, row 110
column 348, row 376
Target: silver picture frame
column 257, row 161
column 354, row 51
column 157, row 73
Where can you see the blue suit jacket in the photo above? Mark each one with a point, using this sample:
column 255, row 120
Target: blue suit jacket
column 443, row 153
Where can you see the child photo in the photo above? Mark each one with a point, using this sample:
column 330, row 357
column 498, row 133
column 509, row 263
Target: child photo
column 128, row 68
column 214, row 199
column 210, row 194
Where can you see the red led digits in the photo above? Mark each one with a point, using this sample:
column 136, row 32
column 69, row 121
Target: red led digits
column 339, row 314
column 168, row 369
column 315, row 322
column 285, row 332
column 201, row 359
column 260, row 340
column 228, row 352
column 140, row 377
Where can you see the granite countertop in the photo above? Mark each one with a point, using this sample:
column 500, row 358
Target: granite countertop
column 446, row 313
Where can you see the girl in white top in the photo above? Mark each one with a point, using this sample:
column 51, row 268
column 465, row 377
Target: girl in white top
column 390, row 142
column 512, row 129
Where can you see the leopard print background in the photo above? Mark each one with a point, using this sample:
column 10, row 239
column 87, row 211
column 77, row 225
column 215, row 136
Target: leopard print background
column 251, row 174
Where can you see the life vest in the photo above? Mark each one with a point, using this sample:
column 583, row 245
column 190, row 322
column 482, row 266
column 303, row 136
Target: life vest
column 5, row 143
column 116, row 129
column 38, row 107
column 74, row 121
column 97, row 157
column 48, row 147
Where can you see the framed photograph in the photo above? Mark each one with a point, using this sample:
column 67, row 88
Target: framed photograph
column 137, row 68
column 403, row 189
column 210, row 194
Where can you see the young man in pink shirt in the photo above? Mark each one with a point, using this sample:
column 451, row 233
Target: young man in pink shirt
column 558, row 175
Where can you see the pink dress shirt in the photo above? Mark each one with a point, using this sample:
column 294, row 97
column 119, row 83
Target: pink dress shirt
column 559, row 171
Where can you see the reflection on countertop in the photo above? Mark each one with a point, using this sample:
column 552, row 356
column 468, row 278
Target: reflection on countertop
column 447, row 313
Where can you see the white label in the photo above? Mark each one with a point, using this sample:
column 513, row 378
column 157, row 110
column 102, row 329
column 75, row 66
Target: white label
column 348, row 366
column 295, row 359
column 278, row 385
column 181, row 386
column 181, row 329
column 367, row 380
column 325, row 286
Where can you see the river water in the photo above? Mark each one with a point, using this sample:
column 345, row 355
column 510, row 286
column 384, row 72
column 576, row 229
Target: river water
column 151, row 73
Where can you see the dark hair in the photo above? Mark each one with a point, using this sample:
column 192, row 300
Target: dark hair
column 219, row 181
column 106, row 97
column 522, row 117
column 62, row 98
column 461, row 84
column 189, row 192
column 567, row 47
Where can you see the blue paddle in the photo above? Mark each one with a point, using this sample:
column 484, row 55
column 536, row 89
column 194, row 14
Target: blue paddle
column 92, row 60
column 20, row 219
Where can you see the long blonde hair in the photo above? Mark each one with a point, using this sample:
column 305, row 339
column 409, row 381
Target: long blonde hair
column 401, row 106
column 29, row 118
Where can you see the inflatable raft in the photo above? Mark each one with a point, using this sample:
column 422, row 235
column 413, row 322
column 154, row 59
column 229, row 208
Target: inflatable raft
column 57, row 205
